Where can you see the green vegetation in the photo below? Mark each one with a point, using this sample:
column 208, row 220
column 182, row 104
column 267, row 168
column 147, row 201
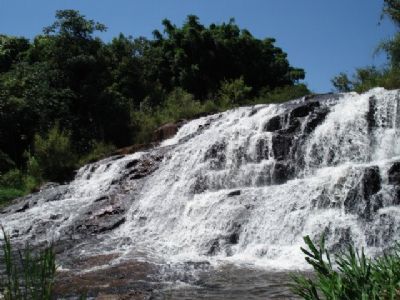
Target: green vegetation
column 351, row 276
column 68, row 98
column 370, row 77
column 27, row 275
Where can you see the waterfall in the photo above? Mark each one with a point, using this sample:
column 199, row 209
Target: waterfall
column 243, row 186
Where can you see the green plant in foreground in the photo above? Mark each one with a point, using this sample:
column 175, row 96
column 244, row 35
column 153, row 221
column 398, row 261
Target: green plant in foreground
column 352, row 276
column 26, row 276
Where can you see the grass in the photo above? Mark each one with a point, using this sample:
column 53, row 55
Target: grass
column 26, row 275
column 351, row 276
column 8, row 194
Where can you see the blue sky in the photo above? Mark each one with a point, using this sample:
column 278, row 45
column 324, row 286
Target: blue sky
column 324, row 37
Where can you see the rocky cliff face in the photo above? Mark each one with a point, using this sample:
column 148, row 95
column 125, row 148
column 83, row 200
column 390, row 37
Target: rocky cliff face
column 244, row 185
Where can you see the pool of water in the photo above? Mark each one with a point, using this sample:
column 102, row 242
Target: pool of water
column 229, row 282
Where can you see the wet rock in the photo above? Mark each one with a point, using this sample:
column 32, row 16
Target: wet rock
column 24, row 207
column 273, row 124
column 55, row 217
column 214, row 247
column 315, row 119
column 233, row 238
column 281, row 145
column 102, row 198
column 262, row 150
column 112, row 225
column 363, row 199
column 371, row 113
column 394, row 174
column 234, row 193
column 371, row 181
column 132, row 163
column 216, row 156
column 304, row 109
column 281, row 173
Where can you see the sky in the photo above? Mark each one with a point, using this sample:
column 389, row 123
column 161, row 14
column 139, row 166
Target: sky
column 324, row 37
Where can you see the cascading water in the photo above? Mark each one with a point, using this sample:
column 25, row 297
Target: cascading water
column 242, row 186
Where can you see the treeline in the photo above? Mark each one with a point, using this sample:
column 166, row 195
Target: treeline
column 67, row 96
column 369, row 77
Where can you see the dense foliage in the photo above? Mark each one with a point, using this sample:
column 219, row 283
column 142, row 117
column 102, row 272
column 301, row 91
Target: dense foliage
column 67, row 96
column 368, row 77
column 351, row 276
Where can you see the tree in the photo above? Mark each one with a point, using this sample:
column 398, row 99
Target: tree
column 198, row 58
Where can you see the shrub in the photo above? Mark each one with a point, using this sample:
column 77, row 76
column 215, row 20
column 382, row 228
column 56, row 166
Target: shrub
column 12, row 179
column 355, row 277
column 98, row 151
column 8, row 194
column 234, row 92
column 180, row 105
column 54, row 155
column 282, row 94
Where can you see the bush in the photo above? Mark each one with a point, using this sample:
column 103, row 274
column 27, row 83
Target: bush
column 54, row 155
column 179, row 105
column 356, row 276
column 12, row 179
column 282, row 94
column 8, row 194
column 27, row 276
column 234, row 92
column 98, row 151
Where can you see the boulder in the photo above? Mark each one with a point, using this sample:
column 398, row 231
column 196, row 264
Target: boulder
column 273, row 124
column 281, row 145
column 394, row 174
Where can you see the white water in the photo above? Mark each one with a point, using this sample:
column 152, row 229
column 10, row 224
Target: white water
column 182, row 209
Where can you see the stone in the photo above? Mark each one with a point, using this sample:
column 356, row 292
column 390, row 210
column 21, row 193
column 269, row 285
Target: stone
column 304, row 109
column 273, row 124
column 363, row 199
column 394, row 174
column 281, row 173
column 234, row 193
column 281, row 145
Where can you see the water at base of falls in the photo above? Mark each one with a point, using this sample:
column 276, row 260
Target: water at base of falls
column 238, row 188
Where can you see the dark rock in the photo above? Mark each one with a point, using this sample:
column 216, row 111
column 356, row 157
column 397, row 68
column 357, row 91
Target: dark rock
column 273, row 124
column 102, row 198
column 371, row 113
column 234, row 193
column 304, row 109
column 216, row 156
column 233, row 238
column 316, row 118
column 200, row 185
column 281, row 173
column 363, row 199
column 132, row 163
column 281, row 146
column 214, row 247
column 262, row 150
column 56, row 217
column 394, row 174
column 112, row 225
column 371, row 181
column 24, row 207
